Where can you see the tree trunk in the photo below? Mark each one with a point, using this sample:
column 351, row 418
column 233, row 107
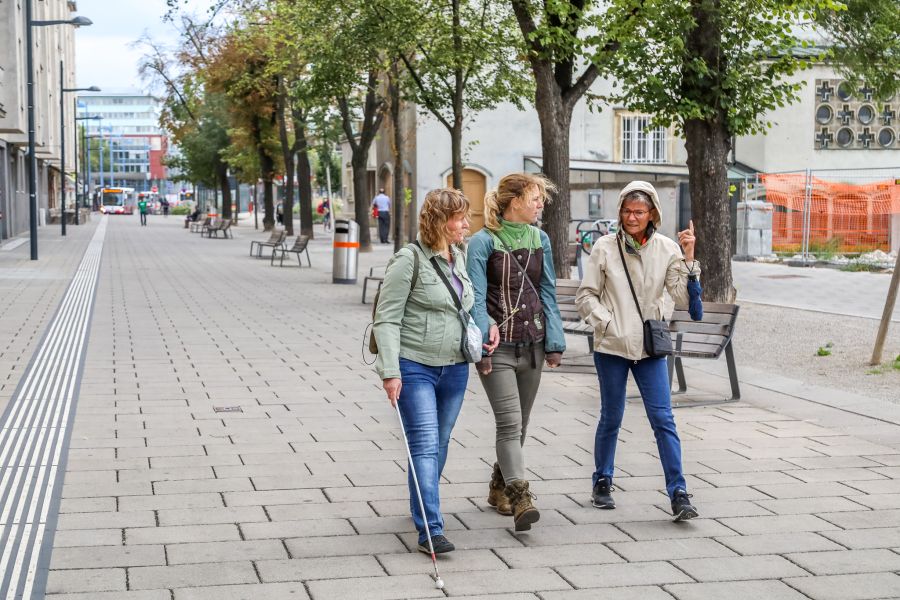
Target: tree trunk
column 225, row 185
column 456, row 150
column 708, row 144
column 555, row 125
column 287, row 152
column 361, row 200
column 304, row 173
column 399, row 191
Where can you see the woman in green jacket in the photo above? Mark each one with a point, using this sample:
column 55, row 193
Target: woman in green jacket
column 420, row 361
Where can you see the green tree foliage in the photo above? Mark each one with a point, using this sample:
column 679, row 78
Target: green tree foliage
column 715, row 69
column 461, row 57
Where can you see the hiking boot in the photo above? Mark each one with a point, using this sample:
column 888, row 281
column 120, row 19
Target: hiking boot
column 524, row 512
column 682, row 508
column 601, row 495
column 440, row 543
column 496, row 496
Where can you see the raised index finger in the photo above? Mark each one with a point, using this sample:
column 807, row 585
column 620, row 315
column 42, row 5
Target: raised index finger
column 691, row 226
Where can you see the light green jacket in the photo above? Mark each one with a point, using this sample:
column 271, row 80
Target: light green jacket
column 421, row 325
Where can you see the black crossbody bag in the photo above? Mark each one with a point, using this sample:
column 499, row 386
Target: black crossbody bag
column 657, row 340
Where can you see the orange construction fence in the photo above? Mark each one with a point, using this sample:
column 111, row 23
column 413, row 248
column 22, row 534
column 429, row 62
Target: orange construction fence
column 845, row 217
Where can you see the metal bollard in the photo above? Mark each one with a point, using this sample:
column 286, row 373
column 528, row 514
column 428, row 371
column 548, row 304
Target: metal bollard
column 345, row 251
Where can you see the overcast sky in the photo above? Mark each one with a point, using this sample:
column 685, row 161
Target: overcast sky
column 104, row 55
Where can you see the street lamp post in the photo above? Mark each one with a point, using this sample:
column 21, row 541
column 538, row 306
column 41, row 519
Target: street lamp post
column 32, row 161
column 83, row 144
column 62, row 146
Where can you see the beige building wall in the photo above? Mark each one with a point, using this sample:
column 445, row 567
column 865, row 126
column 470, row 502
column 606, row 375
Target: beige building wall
column 51, row 44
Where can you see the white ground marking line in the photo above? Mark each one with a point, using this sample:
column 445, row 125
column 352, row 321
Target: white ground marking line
column 31, row 442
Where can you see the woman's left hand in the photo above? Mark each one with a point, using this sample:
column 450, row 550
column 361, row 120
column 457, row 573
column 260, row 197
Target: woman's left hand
column 493, row 339
column 553, row 359
column 687, row 240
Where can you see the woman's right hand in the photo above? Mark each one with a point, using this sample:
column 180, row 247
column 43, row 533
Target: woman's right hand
column 392, row 389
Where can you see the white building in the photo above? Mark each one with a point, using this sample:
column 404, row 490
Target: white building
column 612, row 146
column 52, row 45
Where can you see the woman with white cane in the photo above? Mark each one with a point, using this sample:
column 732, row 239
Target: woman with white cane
column 418, row 331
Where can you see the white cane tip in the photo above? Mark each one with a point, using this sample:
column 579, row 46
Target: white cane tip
column 439, row 583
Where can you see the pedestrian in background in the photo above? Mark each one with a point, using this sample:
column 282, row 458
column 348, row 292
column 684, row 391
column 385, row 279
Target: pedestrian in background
column 382, row 204
column 165, row 207
column 418, row 330
column 142, row 209
column 510, row 263
column 606, row 300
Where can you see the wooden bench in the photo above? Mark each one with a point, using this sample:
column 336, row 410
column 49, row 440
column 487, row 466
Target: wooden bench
column 298, row 248
column 704, row 339
column 200, row 225
column 222, row 226
column 276, row 240
column 375, row 274
column 572, row 321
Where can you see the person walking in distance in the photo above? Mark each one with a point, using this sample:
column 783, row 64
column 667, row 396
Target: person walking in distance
column 418, row 330
column 624, row 283
column 382, row 203
column 142, row 208
column 510, row 263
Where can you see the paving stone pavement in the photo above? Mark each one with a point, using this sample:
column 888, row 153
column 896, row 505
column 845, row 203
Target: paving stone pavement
column 298, row 489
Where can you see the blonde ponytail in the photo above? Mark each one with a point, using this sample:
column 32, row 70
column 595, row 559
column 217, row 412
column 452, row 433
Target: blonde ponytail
column 492, row 211
column 513, row 186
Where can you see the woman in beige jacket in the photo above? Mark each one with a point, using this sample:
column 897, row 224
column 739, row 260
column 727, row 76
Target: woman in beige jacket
column 656, row 264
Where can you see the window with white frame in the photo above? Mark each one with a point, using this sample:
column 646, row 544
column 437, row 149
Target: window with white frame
column 641, row 142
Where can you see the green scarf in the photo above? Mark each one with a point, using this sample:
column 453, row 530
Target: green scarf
column 517, row 236
column 633, row 243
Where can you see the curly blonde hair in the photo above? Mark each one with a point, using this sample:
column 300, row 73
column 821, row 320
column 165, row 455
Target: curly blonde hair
column 513, row 186
column 439, row 206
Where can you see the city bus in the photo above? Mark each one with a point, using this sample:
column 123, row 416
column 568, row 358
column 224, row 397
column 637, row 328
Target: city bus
column 117, row 201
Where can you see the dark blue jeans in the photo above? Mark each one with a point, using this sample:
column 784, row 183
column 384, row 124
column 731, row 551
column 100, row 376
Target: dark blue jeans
column 652, row 378
column 430, row 400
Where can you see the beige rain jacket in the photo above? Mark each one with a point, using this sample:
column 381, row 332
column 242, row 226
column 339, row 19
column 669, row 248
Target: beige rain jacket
column 604, row 299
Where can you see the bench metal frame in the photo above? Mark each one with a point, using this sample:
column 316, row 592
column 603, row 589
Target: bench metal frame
column 299, row 248
column 720, row 326
column 276, row 240
column 373, row 277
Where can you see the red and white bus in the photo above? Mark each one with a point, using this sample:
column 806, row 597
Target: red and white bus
column 117, row 201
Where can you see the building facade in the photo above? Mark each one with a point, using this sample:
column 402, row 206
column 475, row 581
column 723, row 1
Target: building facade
column 128, row 133
column 53, row 49
column 615, row 145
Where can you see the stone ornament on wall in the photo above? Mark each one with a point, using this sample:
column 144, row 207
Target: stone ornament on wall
column 849, row 117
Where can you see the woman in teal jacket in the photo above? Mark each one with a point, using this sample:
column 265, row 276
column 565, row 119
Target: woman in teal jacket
column 511, row 267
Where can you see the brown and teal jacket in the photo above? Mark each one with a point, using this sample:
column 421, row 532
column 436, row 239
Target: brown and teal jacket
column 524, row 314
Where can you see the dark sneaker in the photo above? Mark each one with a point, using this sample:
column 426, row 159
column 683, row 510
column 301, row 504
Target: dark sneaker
column 601, row 496
column 440, row 543
column 682, row 508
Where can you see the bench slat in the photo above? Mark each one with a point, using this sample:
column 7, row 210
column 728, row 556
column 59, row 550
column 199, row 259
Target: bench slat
column 700, row 327
column 683, row 315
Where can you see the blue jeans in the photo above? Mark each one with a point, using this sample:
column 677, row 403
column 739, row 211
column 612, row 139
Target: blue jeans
column 430, row 399
column 652, row 378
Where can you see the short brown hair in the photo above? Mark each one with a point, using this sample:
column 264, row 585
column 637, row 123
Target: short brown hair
column 439, row 206
column 513, row 186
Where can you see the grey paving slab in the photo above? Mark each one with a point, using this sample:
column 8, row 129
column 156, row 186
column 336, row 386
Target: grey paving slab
column 66, row 581
column 735, row 590
column 308, row 569
column 780, row 543
column 224, row 573
column 375, row 588
column 848, row 587
column 94, row 557
column 309, row 478
column 141, row 595
column 266, row 591
column 623, row 575
column 739, row 568
column 847, row 562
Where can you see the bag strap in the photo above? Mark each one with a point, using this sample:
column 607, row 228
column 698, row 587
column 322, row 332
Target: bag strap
column 440, row 272
column 628, row 275
column 415, row 275
column 519, row 265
